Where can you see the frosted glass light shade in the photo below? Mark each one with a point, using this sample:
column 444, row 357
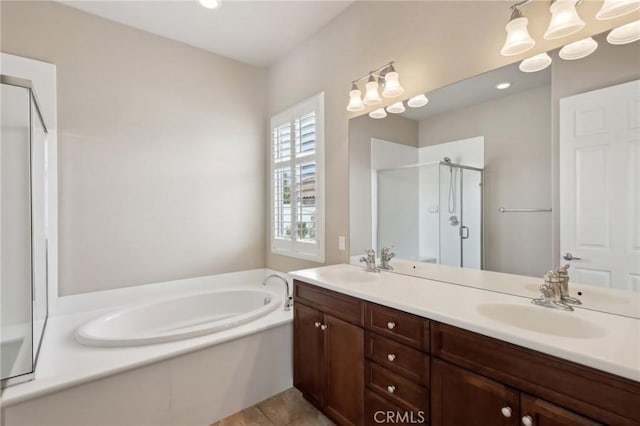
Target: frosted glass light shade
column 211, row 4
column 564, row 20
column 355, row 100
column 615, row 8
column 396, row 108
column 392, row 87
column 578, row 49
column 518, row 38
column 535, row 63
column 418, row 101
column 372, row 97
column 627, row 33
column 378, row 113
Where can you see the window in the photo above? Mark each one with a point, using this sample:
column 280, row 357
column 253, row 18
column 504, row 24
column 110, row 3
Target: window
column 297, row 181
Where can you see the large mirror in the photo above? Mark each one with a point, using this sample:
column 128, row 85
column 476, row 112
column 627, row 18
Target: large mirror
column 510, row 173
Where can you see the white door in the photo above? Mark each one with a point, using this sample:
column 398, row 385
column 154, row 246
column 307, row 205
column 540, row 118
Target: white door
column 600, row 186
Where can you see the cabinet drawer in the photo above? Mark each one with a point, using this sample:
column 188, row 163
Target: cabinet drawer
column 382, row 411
column 339, row 305
column 406, row 328
column 396, row 388
column 604, row 397
column 400, row 358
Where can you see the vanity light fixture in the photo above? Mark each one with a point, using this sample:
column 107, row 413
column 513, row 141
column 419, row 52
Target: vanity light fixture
column 518, row 38
column 397, row 108
column 503, row 86
column 355, row 100
column 385, row 76
column 625, row 34
column 211, row 4
column 578, row 49
column 378, row 113
column 615, row 8
column 535, row 63
column 418, row 101
column 564, row 20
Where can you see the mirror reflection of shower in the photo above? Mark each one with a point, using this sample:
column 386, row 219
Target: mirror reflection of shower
column 427, row 201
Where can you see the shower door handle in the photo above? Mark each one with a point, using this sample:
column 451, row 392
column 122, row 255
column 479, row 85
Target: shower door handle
column 464, row 235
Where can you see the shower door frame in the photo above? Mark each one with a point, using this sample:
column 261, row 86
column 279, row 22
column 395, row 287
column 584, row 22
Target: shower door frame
column 35, row 346
column 462, row 167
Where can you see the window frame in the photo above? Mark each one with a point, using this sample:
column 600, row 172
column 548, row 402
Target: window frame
column 293, row 248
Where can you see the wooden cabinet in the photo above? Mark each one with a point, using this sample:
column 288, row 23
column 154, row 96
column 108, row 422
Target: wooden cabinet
column 329, row 358
column 365, row 364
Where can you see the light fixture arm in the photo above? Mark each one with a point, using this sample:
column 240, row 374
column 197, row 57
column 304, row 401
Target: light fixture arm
column 378, row 72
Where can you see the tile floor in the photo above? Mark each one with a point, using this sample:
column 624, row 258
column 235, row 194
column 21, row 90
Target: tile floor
column 288, row 408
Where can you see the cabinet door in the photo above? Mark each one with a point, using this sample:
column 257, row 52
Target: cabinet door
column 308, row 352
column 461, row 398
column 344, row 367
column 538, row 412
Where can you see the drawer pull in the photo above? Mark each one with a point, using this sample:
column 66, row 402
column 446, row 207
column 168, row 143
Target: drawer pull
column 391, row 389
column 318, row 324
column 527, row 421
column 391, row 357
column 506, row 412
column 391, row 325
column 323, row 327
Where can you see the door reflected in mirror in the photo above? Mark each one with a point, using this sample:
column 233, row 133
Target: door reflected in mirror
column 511, row 172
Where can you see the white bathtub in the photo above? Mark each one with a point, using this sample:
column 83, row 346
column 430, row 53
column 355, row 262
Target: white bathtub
column 178, row 318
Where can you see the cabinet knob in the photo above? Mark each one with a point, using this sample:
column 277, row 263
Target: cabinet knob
column 391, row 357
column 391, row 389
column 391, row 325
column 318, row 324
column 527, row 421
column 506, row 411
column 323, row 327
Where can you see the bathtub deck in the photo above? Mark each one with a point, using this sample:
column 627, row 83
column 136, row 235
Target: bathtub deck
column 288, row 408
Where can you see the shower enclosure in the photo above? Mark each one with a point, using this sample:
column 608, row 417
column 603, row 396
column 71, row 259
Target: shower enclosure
column 23, row 230
column 431, row 212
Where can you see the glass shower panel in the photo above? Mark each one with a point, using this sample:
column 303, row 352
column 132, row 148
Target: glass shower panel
column 16, row 278
column 397, row 211
column 450, row 215
column 471, row 218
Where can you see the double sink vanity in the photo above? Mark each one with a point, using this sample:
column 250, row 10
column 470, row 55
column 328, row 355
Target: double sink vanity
column 383, row 348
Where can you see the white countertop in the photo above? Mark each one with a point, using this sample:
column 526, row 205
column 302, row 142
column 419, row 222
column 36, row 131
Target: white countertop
column 614, row 349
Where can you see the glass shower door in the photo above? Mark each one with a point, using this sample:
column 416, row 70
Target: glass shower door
column 471, row 218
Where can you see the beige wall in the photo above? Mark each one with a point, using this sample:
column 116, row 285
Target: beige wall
column 517, row 153
column 607, row 66
column 361, row 129
column 161, row 150
column 434, row 43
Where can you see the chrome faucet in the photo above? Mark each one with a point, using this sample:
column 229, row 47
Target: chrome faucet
column 370, row 260
column 385, row 256
column 563, row 275
column 289, row 300
column 551, row 293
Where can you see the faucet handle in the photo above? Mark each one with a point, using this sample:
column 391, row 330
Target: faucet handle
column 546, row 291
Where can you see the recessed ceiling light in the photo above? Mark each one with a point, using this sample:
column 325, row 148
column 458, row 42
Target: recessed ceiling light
column 211, row 4
column 502, row 86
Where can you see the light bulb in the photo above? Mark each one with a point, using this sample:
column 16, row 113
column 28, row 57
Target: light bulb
column 503, row 86
column 578, row 49
column 564, row 20
column 211, row 4
column 615, row 8
column 518, row 38
column 627, row 33
column 372, row 96
column 418, row 101
column 396, row 108
column 378, row 113
column 355, row 100
column 392, row 87
column 535, row 63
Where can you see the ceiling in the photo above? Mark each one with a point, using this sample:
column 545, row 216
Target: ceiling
column 479, row 89
column 254, row 32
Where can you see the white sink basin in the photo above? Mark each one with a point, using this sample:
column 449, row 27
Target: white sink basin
column 542, row 320
column 347, row 273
